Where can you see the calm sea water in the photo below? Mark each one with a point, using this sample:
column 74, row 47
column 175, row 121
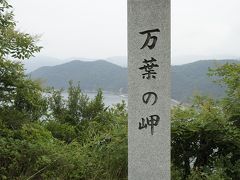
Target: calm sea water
column 109, row 98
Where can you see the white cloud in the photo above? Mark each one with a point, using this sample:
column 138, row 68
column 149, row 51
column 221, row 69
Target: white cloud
column 206, row 28
column 86, row 28
column 98, row 28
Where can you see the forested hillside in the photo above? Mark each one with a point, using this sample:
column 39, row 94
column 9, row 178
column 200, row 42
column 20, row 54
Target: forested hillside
column 187, row 80
column 192, row 79
column 91, row 75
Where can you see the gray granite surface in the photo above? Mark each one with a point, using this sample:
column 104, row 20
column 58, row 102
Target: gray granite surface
column 149, row 93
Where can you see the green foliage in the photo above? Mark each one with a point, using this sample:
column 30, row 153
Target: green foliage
column 62, row 131
column 229, row 75
column 25, row 151
column 94, row 148
column 105, row 146
column 20, row 98
column 18, row 94
column 46, row 136
column 206, row 135
column 99, row 133
column 56, row 104
column 14, row 43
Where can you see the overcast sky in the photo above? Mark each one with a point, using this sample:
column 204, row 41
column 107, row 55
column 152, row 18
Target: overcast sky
column 201, row 29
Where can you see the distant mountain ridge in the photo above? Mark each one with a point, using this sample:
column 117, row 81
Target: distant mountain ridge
column 190, row 79
column 34, row 63
column 92, row 75
column 187, row 79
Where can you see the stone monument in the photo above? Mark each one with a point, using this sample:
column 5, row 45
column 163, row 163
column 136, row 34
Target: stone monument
column 149, row 89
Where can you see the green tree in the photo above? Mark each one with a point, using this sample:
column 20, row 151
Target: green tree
column 53, row 137
column 206, row 135
column 18, row 94
column 229, row 76
column 12, row 42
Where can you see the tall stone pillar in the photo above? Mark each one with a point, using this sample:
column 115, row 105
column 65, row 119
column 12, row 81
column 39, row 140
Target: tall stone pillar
column 149, row 89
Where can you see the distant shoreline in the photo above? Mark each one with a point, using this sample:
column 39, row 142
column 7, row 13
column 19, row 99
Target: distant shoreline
column 104, row 92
